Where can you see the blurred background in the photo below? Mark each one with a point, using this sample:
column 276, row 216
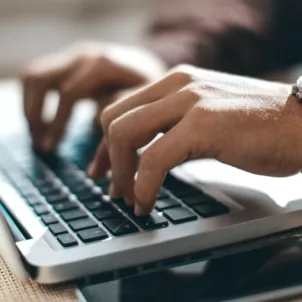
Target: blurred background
column 31, row 28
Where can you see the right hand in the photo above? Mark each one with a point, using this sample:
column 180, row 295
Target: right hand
column 253, row 125
column 93, row 70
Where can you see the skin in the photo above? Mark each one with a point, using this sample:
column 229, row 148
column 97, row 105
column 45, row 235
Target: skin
column 250, row 124
column 96, row 71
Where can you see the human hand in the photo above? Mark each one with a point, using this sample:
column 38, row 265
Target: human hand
column 92, row 70
column 249, row 124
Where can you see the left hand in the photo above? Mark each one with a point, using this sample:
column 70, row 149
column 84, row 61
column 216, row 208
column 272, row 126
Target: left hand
column 247, row 123
column 97, row 71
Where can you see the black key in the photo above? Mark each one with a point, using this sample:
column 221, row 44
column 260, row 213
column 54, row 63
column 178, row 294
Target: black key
column 120, row 226
column 105, row 190
column 91, row 197
column 178, row 187
column 166, row 204
column 29, row 191
column 49, row 189
column 73, row 215
column 185, row 191
column 67, row 240
column 65, row 206
column 211, row 210
column 94, row 205
column 151, row 221
column 179, row 215
column 54, row 198
column 43, row 182
column 200, row 198
column 41, row 209
column 57, row 229
column 102, row 182
column 34, row 200
column 87, row 195
column 120, row 202
column 49, row 219
column 73, row 178
column 161, row 194
column 80, row 187
column 82, row 224
column 92, row 235
column 106, row 212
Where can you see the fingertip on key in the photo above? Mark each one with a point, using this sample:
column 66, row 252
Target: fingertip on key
column 92, row 170
column 113, row 193
column 139, row 211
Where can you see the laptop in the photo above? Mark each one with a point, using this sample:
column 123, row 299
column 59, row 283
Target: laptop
column 61, row 225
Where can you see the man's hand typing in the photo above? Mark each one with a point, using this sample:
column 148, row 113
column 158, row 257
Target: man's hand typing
column 249, row 124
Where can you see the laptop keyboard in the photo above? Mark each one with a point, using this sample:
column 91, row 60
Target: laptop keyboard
column 77, row 210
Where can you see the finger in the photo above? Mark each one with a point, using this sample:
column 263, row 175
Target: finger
column 103, row 100
column 56, row 128
column 72, row 89
column 101, row 162
column 156, row 161
column 34, row 98
column 136, row 129
column 146, row 95
column 81, row 83
column 37, row 80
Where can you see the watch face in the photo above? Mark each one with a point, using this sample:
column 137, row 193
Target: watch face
column 299, row 83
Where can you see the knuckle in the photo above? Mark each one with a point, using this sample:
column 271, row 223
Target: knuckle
column 106, row 118
column 115, row 132
column 183, row 71
column 31, row 75
column 67, row 94
column 90, row 53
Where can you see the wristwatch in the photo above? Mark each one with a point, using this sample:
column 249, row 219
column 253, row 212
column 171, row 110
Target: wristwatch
column 297, row 89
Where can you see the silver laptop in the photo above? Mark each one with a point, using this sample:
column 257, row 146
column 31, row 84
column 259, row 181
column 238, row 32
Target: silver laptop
column 60, row 225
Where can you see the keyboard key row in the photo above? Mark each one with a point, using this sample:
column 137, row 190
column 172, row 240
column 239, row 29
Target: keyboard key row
column 211, row 210
column 179, row 215
column 67, row 240
column 49, row 219
column 120, row 226
column 57, row 229
column 65, row 206
column 82, row 224
column 149, row 222
column 92, row 235
column 73, row 215
column 86, row 236
column 106, row 212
